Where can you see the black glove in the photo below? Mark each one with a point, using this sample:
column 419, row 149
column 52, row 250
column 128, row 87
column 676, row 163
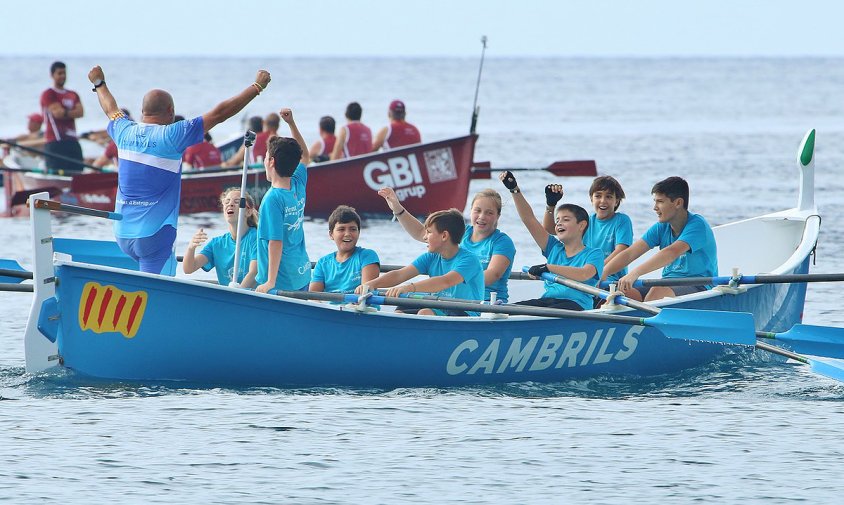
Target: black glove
column 552, row 197
column 509, row 180
column 538, row 270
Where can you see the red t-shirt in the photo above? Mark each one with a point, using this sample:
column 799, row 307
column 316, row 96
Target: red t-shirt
column 358, row 139
column 203, row 155
column 259, row 148
column 401, row 133
column 111, row 151
column 59, row 128
column 327, row 145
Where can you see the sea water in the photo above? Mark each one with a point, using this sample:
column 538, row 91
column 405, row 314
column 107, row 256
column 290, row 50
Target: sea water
column 749, row 431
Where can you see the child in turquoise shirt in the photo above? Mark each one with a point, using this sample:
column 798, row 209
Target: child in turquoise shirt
column 350, row 266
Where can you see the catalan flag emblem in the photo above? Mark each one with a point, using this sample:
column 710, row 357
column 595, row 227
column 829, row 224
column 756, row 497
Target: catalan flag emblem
column 108, row 309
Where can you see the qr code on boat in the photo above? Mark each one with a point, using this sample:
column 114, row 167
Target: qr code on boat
column 440, row 165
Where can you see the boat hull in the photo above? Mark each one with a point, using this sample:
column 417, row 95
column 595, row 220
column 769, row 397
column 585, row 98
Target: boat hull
column 226, row 336
column 426, row 177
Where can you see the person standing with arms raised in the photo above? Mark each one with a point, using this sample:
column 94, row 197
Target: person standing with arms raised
column 62, row 107
column 149, row 171
column 399, row 133
column 355, row 138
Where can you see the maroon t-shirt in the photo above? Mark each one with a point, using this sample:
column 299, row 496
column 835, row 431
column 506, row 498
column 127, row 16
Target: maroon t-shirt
column 402, row 133
column 59, row 128
column 358, row 139
column 203, row 155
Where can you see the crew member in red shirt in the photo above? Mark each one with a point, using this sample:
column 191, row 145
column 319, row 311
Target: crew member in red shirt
column 355, row 137
column 322, row 148
column 399, row 133
column 61, row 107
column 203, row 155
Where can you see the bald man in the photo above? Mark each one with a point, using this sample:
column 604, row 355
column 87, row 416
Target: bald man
column 150, row 167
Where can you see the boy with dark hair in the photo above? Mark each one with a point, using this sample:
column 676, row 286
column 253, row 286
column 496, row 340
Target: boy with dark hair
column 609, row 230
column 283, row 261
column 453, row 271
column 686, row 243
column 350, row 266
column 565, row 251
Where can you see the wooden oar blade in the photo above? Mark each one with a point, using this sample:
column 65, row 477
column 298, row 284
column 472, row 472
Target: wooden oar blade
column 13, row 272
column 826, row 341
column 577, row 168
column 828, row 367
column 735, row 328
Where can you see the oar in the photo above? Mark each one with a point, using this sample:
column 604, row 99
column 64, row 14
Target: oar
column 577, row 168
column 816, row 340
column 827, row 341
column 12, row 271
column 248, row 140
column 737, row 280
column 51, row 155
column 23, row 288
column 731, row 327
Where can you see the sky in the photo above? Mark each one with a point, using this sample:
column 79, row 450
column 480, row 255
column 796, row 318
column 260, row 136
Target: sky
column 402, row 28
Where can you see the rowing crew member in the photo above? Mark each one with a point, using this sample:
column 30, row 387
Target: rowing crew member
column 399, row 133
column 355, row 138
column 686, row 245
column 322, row 148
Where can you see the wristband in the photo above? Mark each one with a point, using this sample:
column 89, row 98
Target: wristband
column 515, row 190
column 258, row 87
column 400, row 213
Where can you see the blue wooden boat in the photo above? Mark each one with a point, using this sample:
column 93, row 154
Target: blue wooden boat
column 112, row 323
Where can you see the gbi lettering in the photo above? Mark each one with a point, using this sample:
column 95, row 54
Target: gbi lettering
column 400, row 173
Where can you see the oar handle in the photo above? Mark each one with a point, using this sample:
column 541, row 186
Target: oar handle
column 16, row 274
column 644, row 307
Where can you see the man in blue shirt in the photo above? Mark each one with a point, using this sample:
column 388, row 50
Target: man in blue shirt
column 150, row 167
column 686, row 243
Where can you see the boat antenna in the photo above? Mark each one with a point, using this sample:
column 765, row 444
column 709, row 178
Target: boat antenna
column 475, row 107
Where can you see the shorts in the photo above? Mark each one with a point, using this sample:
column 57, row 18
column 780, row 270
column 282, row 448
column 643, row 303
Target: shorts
column 678, row 290
column 152, row 252
column 66, row 148
column 552, row 303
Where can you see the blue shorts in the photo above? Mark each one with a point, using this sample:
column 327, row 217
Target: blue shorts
column 152, row 252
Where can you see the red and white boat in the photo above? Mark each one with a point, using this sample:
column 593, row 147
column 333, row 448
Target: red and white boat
column 426, row 177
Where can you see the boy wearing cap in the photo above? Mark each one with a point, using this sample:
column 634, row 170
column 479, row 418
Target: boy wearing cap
column 399, row 133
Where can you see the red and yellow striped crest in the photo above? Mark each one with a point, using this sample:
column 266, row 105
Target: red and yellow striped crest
column 108, row 309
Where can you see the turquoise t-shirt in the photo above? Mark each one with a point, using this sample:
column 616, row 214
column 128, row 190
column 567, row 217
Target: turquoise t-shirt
column 281, row 218
column 497, row 243
column 464, row 263
column 701, row 260
column 607, row 234
column 220, row 254
column 343, row 277
column 555, row 251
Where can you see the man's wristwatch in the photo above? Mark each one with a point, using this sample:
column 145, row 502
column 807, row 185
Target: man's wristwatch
column 97, row 84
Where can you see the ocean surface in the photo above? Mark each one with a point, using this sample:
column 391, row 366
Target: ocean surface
column 740, row 431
